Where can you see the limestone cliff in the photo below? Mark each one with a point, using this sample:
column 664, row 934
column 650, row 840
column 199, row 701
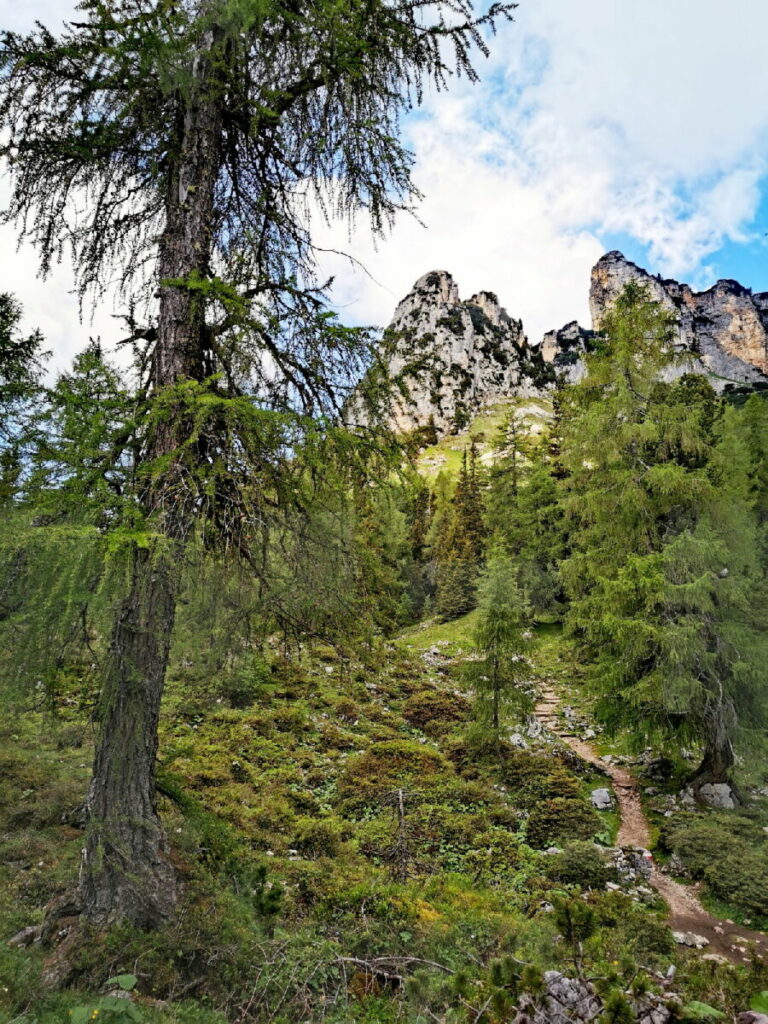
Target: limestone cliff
column 725, row 328
column 564, row 349
column 455, row 356
column 452, row 357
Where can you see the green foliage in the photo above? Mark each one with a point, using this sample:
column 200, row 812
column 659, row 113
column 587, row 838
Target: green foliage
column 113, row 1009
column 575, row 920
column 581, row 864
column 525, row 513
column 21, row 394
column 500, row 666
column 459, row 542
column 435, row 711
column 391, row 765
column 663, row 576
column 617, row 1009
column 701, row 1011
column 728, row 854
column 57, row 601
column 559, row 819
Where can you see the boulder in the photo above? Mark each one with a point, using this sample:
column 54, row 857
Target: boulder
column 719, row 795
column 601, row 799
column 574, row 1001
column 690, row 939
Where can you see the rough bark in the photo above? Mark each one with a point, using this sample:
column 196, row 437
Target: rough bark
column 126, row 874
column 716, row 764
column 718, row 760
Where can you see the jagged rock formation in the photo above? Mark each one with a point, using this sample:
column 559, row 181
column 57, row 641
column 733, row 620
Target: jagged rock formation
column 725, row 328
column 455, row 357
column 452, row 357
column 564, row 349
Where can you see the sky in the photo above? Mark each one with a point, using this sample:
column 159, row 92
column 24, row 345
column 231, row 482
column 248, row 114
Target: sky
column 597, row 125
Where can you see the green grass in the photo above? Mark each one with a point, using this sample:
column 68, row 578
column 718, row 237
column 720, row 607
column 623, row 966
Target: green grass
column 445, row 456
column 453, row 638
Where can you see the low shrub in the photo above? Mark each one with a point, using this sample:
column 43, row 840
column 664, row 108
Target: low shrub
column 582, row 864
column 390, row 765
column 435, row 711
column 561, row 819
column 726, row 854
column 317, row 837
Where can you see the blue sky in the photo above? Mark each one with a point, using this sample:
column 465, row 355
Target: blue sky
column 598, row 124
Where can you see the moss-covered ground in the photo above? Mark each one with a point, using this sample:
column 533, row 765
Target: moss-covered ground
column 349, row 848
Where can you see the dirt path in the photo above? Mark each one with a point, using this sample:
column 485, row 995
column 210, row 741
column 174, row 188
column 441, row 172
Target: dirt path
column 686, row 914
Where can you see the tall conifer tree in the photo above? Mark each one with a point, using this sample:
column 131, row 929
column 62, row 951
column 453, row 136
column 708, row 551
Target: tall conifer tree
column 171, row 145
column 460, row 546
column 660, row 569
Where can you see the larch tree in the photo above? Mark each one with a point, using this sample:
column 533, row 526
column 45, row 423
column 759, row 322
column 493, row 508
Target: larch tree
column 21, row 391
column 663, row 573
column 174, row 148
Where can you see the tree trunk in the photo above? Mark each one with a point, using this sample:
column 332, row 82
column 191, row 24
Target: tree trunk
column 126, row 873
column 716, row 764
column 719, row 759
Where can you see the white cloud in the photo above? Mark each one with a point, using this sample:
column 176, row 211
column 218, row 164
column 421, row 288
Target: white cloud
column 595, row 117
column 606, row 117
column 52, row 305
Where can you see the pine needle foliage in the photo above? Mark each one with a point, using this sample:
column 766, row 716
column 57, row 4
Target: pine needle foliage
column 308, row 100
column 500, row 666
column 21, row 392
column 663, row 574
column 460, row 542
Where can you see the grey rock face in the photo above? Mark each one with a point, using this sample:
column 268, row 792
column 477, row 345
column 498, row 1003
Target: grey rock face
column 601, row 799
column 724, row 329
column 632, row 865
column 717, row 794
column 455, row 356
column 564, row 351
column 574, row 1001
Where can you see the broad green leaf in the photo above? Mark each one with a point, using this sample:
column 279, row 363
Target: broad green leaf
column 701, row 1011
column 125, row 981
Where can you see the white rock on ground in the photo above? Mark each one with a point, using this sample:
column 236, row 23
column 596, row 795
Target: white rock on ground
column 602, row 799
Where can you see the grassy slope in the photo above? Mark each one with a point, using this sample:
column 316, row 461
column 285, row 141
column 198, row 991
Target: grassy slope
column 301, row 780
column 293, row 769
column 446, row 455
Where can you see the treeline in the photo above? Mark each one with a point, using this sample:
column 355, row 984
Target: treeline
column 636, row 514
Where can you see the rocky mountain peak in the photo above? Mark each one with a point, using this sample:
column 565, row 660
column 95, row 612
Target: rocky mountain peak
column 438, row 285
column 455, row 355
column 725, row 328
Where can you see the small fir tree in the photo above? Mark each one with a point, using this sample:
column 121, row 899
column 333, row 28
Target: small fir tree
column 460, row 543
column 501, row 665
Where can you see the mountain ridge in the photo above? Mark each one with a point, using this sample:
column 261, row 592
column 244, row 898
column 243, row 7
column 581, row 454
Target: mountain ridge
column 462, row 356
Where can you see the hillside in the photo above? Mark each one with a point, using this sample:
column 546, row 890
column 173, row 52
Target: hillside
column 463, row 731
column 413, row 867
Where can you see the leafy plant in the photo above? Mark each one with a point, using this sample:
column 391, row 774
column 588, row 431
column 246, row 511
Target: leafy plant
column 113, row 1009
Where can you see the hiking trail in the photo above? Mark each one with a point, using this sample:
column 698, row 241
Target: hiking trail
column 686, row 914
